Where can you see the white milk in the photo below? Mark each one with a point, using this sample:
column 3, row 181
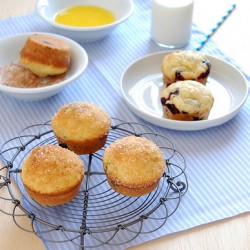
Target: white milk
column 171, row 23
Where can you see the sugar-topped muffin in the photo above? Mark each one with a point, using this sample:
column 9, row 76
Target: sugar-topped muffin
column 185, row 65
column 186, row 100
column 81, row 127
column 133, row 165
column 52, row 175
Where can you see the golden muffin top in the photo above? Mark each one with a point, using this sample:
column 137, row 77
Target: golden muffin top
column 134, row 161
column 80, row 121
column 51, row 169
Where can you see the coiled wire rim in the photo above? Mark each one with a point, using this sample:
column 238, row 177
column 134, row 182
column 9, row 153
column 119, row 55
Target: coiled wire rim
column 97, row 215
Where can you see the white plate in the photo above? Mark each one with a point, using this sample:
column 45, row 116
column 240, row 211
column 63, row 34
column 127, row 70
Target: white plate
column 141, row 85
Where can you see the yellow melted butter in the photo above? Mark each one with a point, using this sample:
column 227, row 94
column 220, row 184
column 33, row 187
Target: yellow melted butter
column 85, row 16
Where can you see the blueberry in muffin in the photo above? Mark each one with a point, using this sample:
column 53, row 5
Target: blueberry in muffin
column 186, row 101
column 183, row 65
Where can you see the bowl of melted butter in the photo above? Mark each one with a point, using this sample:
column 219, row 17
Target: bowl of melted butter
column 85, row 20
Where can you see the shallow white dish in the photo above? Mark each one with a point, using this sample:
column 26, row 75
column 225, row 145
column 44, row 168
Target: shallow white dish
column 47, row 9
column 10, row 48
column 141, row 85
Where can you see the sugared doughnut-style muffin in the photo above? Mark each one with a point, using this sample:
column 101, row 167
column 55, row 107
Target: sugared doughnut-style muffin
column 52, row 175
column 133, row 165
column 45, row 55
column 185, row 65
column 81, row 127
column 187, row 101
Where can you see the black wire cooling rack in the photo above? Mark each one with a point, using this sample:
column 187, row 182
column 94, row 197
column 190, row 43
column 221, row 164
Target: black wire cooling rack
column 98, row 215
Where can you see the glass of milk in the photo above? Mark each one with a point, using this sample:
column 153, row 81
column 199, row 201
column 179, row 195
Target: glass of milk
column 171, row 23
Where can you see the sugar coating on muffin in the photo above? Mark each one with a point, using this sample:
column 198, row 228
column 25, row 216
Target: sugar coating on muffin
column 185, row 65
column 81, row 127
column 45, row 55
column 52, row 175
column 133, row 165
column 186, row 100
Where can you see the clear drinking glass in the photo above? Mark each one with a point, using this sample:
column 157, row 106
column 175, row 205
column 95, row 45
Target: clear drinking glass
column 171, row 22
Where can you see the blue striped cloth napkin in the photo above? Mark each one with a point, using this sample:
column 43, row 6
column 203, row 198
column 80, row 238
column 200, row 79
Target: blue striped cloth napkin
column 217, row 159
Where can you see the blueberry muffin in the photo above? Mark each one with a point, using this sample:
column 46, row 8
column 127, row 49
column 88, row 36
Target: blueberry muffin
column 186, row 101
column 185, row 65
column 133, row 165
column 81, row 127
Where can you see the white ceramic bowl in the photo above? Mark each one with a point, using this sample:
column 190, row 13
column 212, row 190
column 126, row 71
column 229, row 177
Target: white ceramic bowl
column 47, row 9
column 9, row 51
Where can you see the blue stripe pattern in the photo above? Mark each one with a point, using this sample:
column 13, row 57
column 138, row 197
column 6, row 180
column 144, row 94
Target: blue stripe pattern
column 218, row 159
column 217, row 26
